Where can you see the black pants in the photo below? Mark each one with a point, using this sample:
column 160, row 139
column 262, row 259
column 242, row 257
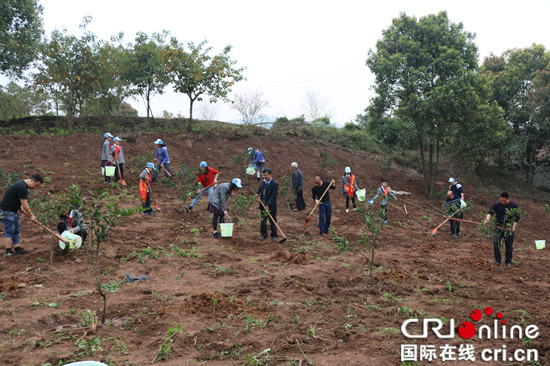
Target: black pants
column 352, row 201
column 263, row 224
column 215, row 219
column 300, row 203
column 508, row 238
column 117, row 175
column 147, row 204
column 105, row 163
column 455, row 225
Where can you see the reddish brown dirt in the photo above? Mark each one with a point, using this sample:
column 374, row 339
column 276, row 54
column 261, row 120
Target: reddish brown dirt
column 236, row 297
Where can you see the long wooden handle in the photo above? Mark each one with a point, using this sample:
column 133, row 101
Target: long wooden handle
column 48, row 229
column 167, row 172
column 275, row 222
column 317, row 204
column 443, row 223
column 477, row 223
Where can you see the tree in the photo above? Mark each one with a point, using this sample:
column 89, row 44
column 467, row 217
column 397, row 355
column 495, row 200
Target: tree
column 520, row 85
column 18, row 101
column 424, row 69
column 144, row 68
column 315, row 105
column 195, row 73
column 250, row 104
column 20, row 33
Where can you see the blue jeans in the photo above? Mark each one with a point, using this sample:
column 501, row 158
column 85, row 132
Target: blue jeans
column 325, row 214
column 207, row 190
column 260, row 169
column 154, row 175
column 11, row 226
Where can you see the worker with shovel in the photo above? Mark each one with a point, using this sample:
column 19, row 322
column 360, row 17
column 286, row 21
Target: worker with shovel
column 163, row 160
column 218, row 203
column 145, row 188
column 15, row 199
column 383, row 193
column 506, row 212
column 207, row 179
column 452, row 208
column 118, row 158
column 322, row 200
column 267, row 194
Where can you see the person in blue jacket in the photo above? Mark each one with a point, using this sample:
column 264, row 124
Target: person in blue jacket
column 257, row 159
column 267, row 193
column 163, row 160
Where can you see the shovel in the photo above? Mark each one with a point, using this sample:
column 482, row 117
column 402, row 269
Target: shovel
column 434, row 231
column 57, row 236
column 167, row 172
column 122, row 181
column 477, row 223
column 317, row 204
column 271, row 217
column 153, row 198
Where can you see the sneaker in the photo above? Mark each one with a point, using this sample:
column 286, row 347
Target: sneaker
column 21, row 251
column 273, row 238
column 262, row 238
column 9, row 253
column 258, row 179
column 347, row 210
column 355, row 209
column 459, row 235
column 508, row 264
column 216, row 235
column 385, row 222
column 496, row 262
column 189, row 209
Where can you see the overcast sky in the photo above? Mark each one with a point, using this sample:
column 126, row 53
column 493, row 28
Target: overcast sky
column 289, row 47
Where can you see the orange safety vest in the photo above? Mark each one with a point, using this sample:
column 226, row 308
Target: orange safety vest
column 386, row 189
column 143, row 188
column 349, row 188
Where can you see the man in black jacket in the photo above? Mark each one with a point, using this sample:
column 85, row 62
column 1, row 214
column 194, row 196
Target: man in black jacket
column 267, row 193
column 298, row 186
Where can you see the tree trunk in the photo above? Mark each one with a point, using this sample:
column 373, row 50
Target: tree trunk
column 190, row 123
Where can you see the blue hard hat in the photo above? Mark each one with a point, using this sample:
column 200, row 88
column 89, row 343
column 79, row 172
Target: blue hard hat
column 250, row 149
column 117, row 139
column 158, row 142
column 151, row 165
column 237, row 182
column 451, row 180
column 107, row 135
column 203, row 164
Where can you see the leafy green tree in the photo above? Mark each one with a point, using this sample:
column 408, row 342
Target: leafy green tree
column 19, row 101
column 196, row 74
column 20, row 33
column 145, row 69
column 520, row 85
column 425, row 69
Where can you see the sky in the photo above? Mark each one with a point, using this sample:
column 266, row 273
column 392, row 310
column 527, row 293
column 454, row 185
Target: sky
column 290, row 47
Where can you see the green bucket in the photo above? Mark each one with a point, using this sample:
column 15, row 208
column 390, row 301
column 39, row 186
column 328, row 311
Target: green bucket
column 361, row 194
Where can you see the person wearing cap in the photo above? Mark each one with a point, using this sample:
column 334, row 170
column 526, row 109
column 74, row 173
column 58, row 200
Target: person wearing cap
column 118, row 158
column 257, row 159
column 349, row 187
column 15, row 199
column 267, row 193
column 383, row 193
column 325, row 207
column 162, row 158
column 144, row 188
column 207, row 178
column 106, row 154
column 298, row 186
column 218, row 203
column 456, row 188
column 452, row 207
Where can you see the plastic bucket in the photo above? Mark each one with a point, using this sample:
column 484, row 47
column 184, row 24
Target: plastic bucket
column 250, row 170
column 74, row 240
column 226, row 230
column 463, row 204
column 86, row 363
column 361, row 194
column 540, row 244
column 108, row 171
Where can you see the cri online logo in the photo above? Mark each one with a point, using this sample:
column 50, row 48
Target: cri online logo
column 467, row 329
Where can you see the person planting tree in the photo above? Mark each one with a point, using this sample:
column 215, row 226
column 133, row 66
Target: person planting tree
column 267, row 193
column 207, row 178
column 15, row 199
column 218, row 203
column 106, row 154
column 383, row 193
column 163, row 160
column 145, row 188
column 349, row 187
column 452, row 208
column 257, row 159
column 321, row 197
column 118, row 157
column 506, row 214
column 72, row 221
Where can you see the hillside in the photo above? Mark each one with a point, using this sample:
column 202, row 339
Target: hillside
column 237, row 297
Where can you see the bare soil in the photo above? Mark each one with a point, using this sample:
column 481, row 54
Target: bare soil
column 302, row 300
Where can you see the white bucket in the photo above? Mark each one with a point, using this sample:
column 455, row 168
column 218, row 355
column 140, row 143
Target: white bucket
column 250, row 170
column 361, row 194
column 85, row 363
column 226, row 230
column 108, row 171
column 540, row 244
column 74, row 240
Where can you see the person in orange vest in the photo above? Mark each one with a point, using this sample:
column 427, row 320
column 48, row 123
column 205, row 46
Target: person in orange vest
column 118, row 156
column 383, row 192
column 144, row 191
column 349, row 187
